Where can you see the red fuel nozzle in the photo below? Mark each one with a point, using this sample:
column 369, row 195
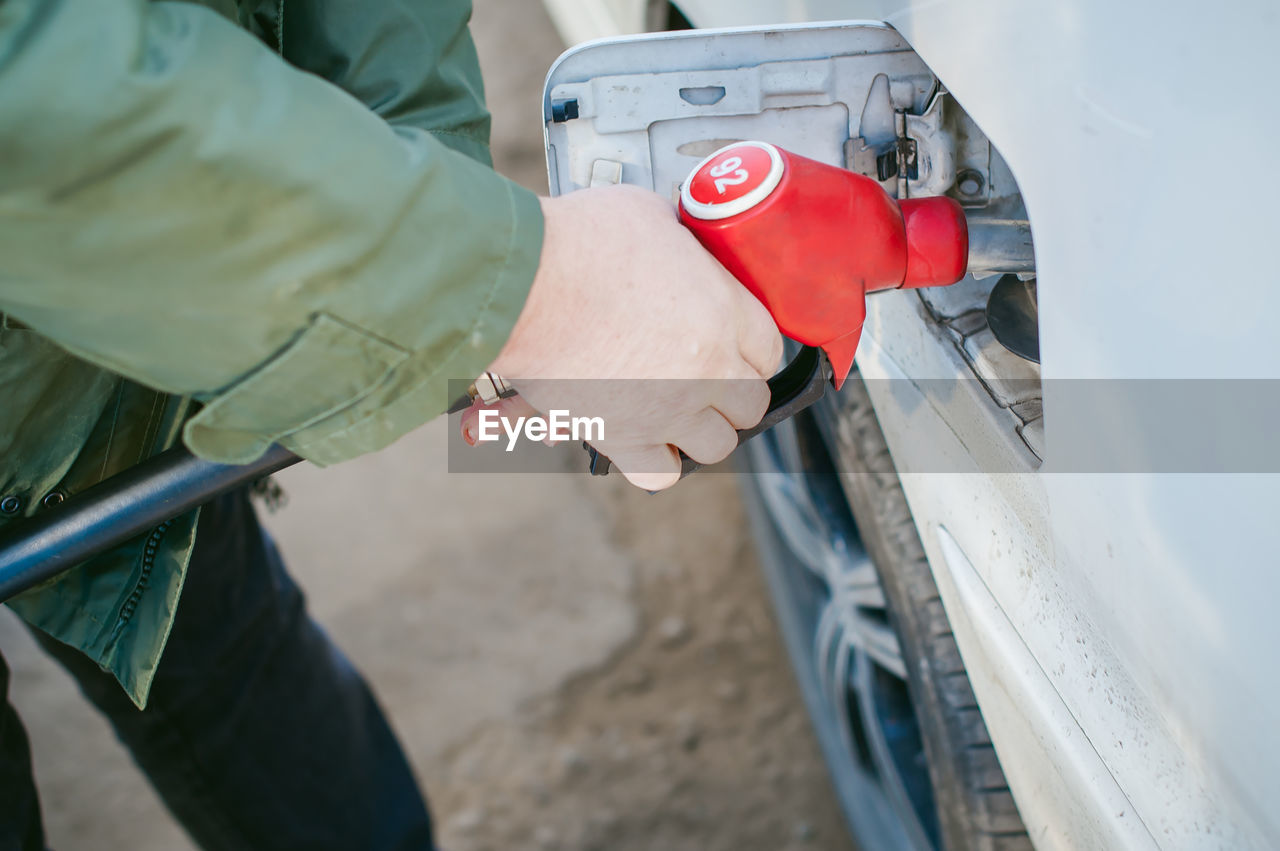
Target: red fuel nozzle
column 811, row 240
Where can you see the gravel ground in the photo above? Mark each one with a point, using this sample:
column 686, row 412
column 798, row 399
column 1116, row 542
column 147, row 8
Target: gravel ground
column 690, row 737
column 607, row 676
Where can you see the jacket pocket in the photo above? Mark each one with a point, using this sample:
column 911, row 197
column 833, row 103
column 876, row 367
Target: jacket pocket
column 328, row 368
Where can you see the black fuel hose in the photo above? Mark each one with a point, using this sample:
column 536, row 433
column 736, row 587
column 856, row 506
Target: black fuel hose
column 116, row 509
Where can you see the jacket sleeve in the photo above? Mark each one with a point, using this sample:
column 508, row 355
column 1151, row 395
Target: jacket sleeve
column 181, row 206
column 410, row 61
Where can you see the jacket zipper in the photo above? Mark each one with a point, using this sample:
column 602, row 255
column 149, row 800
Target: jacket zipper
column 148, row 562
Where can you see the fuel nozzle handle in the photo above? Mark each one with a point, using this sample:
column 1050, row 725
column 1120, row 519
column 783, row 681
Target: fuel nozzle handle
column 795, row 387
column 810, row 241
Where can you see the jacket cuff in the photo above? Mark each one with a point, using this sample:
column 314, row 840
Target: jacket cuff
column 341, row 364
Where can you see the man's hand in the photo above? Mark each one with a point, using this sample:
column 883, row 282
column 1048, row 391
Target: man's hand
column 625, row 294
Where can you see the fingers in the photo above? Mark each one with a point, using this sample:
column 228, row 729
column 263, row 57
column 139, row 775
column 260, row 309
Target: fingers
column 708, row 439
column 652, row 468
column 758, row 337
column 741, row 400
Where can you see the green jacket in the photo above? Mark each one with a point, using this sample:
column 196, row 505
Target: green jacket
column 277, row 212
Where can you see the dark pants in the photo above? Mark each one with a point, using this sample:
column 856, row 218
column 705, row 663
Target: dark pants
column 259, row 733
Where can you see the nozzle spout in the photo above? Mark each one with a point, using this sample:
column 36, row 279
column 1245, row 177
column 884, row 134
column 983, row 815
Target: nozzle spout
column 937, row 242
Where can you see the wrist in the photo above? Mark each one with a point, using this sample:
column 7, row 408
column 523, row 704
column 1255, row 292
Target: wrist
column 519, row 354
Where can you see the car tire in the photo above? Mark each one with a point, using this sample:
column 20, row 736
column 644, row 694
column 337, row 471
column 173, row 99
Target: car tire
column 969, row 806
column 975, row 807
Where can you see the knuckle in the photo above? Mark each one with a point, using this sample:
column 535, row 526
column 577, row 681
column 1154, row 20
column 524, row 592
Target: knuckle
column 724, row 362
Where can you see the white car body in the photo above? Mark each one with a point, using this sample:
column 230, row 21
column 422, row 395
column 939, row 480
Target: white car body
column 1119, row 628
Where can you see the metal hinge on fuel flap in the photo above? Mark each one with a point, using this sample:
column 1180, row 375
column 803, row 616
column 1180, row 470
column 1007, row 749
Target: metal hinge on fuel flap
column 904, row 152
column 943, row 152
column 894, row 163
